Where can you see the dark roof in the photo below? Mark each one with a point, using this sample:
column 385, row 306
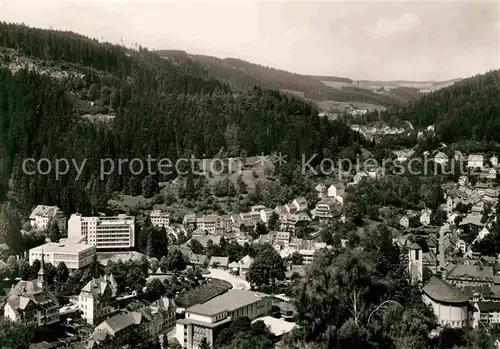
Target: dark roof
column 489, row 306
column 442, row 291
column 483, row 273
column 484, row 290
column 229, row 301
column 222, row 261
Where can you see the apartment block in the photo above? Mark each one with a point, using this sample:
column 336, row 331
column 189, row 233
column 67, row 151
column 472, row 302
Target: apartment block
column 116, row 232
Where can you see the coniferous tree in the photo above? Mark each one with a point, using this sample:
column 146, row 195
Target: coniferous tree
column 62, row 272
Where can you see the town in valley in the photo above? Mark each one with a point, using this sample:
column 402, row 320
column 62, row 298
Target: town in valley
column 299, row 210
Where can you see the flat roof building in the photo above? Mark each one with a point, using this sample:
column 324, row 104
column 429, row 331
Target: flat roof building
column 74, row 255
column 206, row 320
column 116, row 232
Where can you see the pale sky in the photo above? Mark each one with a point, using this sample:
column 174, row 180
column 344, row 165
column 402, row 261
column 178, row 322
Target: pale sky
column 376, row 40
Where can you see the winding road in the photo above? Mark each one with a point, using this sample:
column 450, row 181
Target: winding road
column 237, row 282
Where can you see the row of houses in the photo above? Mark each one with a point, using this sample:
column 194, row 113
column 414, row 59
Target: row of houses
column 289, row 215
column 412, row 219
column 148, row 321
column 473, row 160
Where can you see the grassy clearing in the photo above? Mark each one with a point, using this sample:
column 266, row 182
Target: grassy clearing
column 203, row 293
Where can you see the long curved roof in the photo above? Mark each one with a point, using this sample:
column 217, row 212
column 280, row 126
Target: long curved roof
column 442, row 291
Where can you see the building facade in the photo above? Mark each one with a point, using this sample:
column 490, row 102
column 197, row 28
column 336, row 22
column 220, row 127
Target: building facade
column 74, row 255
column 117, row 232
column 160, row 218
column 208, row 319
column 42, row 216
column 148, row 322
column 450, row 305
column 97, row 299
column 31, row 303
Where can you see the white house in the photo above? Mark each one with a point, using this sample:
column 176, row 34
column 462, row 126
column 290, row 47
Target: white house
column 300, row 203
column 337, row 191
column 160, row 218
column 441, row 158
column 359, row 176
column 425, row 217
column 489, row 174
column 475, row 160
column 461, row 246
column 463, row 180
column 97, row 299
column 42, row 215
column 320, row 189
column 494, row 160
column 265, row 214
column 449, row 204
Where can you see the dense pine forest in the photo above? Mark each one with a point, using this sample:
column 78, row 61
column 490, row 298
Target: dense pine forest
column 63, row 95
column 467, row 110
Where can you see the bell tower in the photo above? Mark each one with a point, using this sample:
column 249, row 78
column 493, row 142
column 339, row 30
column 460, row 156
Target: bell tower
column 41, row 282
column 415, row 264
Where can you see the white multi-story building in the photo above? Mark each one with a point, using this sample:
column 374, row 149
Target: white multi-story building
column 160, row 218
column 98, row 299
column 208, row 319
column 117, row 232
column 74, row 255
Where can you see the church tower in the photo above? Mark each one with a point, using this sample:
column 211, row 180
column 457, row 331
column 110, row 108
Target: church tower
column 415, row 264
column 41, row 282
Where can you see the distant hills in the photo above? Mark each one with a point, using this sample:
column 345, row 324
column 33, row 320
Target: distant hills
column 66, row 96
column 242, row 74
column 467, row 110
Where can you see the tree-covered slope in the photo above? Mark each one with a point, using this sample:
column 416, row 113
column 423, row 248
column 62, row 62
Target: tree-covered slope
column 243, row 74
column 63, row 95
column 469, row 109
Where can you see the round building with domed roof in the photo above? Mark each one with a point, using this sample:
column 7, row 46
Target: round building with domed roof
column 450, row 305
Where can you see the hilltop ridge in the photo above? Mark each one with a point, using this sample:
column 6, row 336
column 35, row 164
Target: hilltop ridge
column 243, row 74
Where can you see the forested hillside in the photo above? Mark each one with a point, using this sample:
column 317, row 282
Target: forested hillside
column 469, row 109
column 243, row 74
column 63, row 95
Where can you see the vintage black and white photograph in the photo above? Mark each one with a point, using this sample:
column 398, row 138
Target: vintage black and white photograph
column 249, row 174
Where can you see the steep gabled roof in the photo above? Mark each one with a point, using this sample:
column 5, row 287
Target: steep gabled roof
column 97, row 287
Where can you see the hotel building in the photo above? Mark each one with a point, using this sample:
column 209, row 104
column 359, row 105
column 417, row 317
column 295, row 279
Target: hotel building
column 116, row 232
